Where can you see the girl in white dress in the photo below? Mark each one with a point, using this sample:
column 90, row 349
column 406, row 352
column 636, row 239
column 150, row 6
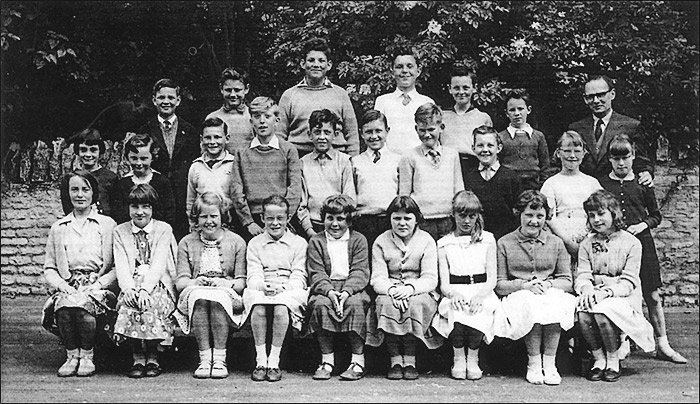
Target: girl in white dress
column 469, row 311
column 566, row 191
column 534, row 276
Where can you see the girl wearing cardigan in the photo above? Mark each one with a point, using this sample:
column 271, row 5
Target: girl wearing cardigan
column 609, row 289
column 144, row 257
column 404, row 276
column 338, row 268
column 211, row 270
column 79, row 264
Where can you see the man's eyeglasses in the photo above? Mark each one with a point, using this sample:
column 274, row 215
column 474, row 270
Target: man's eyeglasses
column 591, row 97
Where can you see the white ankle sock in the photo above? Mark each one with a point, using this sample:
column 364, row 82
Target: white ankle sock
column 139, row 358
column 534, row 361
column 599, row 358
column 273, row 361
column 359, row 359
column 396, row 360
column 205, row 356
column 460, row 358
column 409, row 360
column 549, row 362
column 219, row 354
column 662, row 343
column 328, row 358
column 613, row 361
column 260, row 355
column 473, row 356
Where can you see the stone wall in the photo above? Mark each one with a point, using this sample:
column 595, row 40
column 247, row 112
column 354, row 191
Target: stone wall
column 29, row 210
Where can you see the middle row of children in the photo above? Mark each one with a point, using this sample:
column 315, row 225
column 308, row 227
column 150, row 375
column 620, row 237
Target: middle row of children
column 430, row 173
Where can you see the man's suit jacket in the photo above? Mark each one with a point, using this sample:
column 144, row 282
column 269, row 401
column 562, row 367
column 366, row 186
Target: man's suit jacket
column 187, row 148
column 596, row 162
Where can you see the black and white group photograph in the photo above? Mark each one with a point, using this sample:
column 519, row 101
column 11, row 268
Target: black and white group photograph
column 349, row 201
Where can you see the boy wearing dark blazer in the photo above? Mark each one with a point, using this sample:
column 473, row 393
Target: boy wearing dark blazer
column 178, row 145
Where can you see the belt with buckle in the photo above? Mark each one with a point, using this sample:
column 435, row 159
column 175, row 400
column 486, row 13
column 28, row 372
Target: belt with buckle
column 467, row 279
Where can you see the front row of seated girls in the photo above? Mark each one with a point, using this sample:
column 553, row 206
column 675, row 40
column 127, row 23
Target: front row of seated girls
column 221, row 283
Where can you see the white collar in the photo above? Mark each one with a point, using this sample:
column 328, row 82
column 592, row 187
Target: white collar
column 413, row 93
column 628, row 177
column 493, row 167
column 425, row 150
column 344, row 237
column 370, row 153
column 172, row 119
column 527, row 128
column 274, row 142
column 148, row 228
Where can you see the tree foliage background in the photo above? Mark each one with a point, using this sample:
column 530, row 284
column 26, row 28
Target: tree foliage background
column 67, row 65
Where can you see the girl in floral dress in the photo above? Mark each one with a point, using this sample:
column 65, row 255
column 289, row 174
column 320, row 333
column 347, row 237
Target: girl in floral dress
column 144, row 256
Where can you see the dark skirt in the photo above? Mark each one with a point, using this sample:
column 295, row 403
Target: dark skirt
column 322, row 315
column 650, row 272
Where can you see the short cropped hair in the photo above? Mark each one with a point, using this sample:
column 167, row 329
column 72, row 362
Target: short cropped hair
column 211, row 198
column 531, row 199
column 466, row 201
column 143, row 194
column 404, row 51
column 459, row 70
column 90, row 137
column 337, row 204
column 602, row 199
column 517, row 94
column 140, row 140
column 610, row 82
column 321, row 116
column 407, row 204
column 427, row 112
column 214, row 122
column 275, row 200
column 621, row 145
column 319, row 45
column 371, row 116
column 88, row 178
column 262, row 104
column 166, row 83
column 486, row 130
column 234, row 73
column 571, row 136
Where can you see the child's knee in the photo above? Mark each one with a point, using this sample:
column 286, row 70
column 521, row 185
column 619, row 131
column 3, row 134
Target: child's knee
column 652, row 298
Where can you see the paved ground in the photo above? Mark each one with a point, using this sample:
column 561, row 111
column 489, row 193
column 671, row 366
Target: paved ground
column 31, row 356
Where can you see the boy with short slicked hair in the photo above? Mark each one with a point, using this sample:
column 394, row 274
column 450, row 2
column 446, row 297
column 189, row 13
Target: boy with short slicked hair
column 268, row 166
column 400, row 105
column 431, row 173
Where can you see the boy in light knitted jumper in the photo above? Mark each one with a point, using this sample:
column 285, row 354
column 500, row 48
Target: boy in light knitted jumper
column 376, row 175
column 315, row 92
column 268, row 166
column 431, row 173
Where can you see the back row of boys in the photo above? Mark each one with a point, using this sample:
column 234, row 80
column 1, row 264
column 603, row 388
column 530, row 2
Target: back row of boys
column 413, row 148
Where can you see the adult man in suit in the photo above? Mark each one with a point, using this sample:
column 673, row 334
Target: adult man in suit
column 598, row 129
column 178, row 145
